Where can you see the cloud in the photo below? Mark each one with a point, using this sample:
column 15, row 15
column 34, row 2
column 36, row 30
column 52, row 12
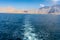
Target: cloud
column 55, row 1
column 42, row 5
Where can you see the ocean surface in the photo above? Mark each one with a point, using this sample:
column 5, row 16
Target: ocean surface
column 29, row 27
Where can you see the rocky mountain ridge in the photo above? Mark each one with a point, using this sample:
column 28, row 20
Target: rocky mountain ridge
column 55, row 9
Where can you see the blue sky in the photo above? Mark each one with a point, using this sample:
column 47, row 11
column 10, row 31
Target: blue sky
column 25, row 4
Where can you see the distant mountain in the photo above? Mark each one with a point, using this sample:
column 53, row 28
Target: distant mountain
column 54, row 9
column 44, row 10
column 50, row 9
column 46, row 7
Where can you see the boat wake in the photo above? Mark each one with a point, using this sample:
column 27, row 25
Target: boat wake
column 29, row 33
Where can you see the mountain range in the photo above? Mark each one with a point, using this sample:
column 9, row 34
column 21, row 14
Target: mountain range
column 55, row 9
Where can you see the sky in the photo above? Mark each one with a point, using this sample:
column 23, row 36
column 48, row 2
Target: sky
column 27, row 4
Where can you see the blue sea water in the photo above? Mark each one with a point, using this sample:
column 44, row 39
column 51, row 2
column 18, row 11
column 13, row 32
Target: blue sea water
column 29, row 27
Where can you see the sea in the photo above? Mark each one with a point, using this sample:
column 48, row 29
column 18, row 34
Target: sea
column 29, row 26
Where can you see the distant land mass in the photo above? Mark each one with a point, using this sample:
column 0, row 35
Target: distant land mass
column 55, row 9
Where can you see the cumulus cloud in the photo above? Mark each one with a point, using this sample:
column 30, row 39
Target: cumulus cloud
column 42, row 5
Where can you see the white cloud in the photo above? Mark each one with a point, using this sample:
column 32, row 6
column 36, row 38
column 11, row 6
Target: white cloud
column 42, row 5
column 55, row 1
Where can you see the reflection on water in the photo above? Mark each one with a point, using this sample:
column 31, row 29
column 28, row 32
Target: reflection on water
column 29, row 27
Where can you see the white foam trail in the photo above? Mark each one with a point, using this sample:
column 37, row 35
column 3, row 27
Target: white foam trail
column 29, row 31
